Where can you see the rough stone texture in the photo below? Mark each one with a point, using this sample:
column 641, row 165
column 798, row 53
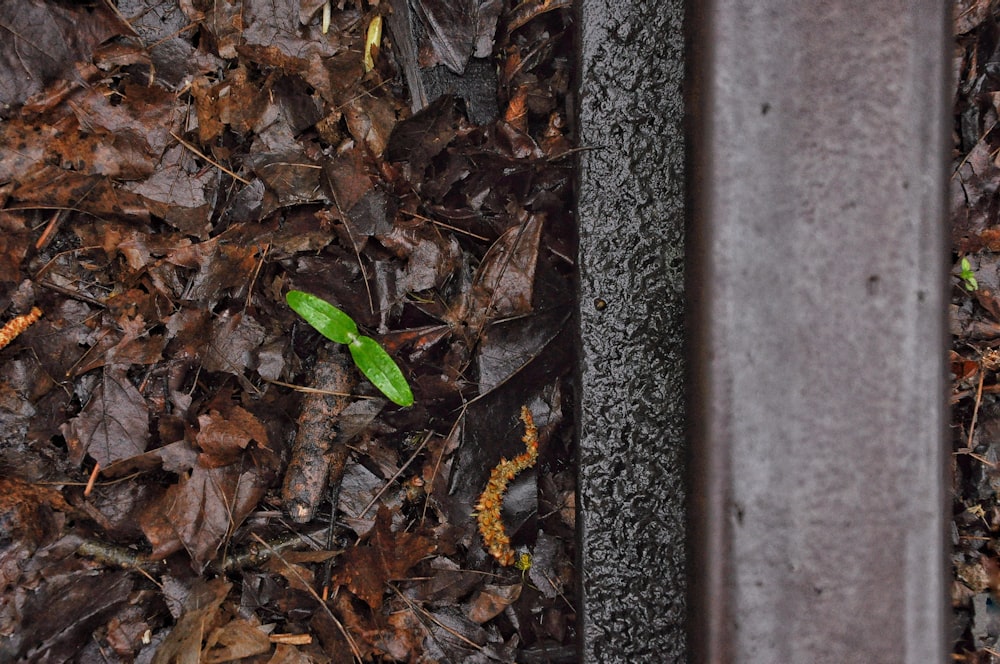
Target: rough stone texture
column 631, row 258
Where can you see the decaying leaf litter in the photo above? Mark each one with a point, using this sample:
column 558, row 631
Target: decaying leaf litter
column 975, row 321
column 168, row 172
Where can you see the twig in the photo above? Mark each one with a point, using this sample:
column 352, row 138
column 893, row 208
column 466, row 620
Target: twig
column 93, row 478
column 50, row 230
column 444, row 225
column 76, row 295
column 399, row 472
column 201, row 154
column 975, row 410
column 437, row 464
column 416, row 607
column 256, row 273
column 317, row 390
column 305, row 584
column 318, row 448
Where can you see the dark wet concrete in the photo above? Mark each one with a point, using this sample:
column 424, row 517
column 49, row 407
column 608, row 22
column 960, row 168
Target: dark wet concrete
column 631, row 306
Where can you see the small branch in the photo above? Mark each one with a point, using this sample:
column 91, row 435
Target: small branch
column 201, row 154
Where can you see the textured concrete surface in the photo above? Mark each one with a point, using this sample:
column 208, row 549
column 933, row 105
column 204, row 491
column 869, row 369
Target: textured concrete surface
column 631, row 310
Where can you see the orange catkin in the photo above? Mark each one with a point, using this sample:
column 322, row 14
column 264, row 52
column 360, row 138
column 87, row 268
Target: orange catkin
column 13, row 329
column 488, row 507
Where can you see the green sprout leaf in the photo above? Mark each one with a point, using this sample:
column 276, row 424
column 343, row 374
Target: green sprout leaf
column 381, row 370
column 967, row 276
column 371, row 358
column 328, row 320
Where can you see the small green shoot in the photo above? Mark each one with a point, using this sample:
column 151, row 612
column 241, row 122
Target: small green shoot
column 371, row 358
column 967, row 276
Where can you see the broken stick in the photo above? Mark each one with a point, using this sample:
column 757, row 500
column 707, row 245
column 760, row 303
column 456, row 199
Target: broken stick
column 319, row 452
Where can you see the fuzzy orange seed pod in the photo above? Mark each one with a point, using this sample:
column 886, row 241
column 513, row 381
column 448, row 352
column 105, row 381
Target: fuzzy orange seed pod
column 488, row 508
column 13, row 329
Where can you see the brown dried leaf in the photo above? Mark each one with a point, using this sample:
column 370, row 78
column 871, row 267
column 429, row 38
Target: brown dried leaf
column 366, row 569
column 969, row 14
column 123, row 140
column 26, row 510
column 56, row 338
column 490, row 602
column 223, row 438
column 288, row 654
column 457, row 30
column 204, row 508
column 423, row 136
column 404, row 636
column 42, row 40
column 504, row 283
column 506, row 347
column 430, row 256
column 180, row 192
column 224, row 268
column 52, row 186
column 133, row 125
column 15, row 239
column 183, row 644
column 132, row 346
column 370, row 121
column 235, row 640
column 233, row 338
column 65, row 612
column 275, row 25
column 114, row 425
column 206, row 106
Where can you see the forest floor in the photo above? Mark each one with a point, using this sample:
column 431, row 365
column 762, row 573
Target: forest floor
column 188, row 470
column 975, row 321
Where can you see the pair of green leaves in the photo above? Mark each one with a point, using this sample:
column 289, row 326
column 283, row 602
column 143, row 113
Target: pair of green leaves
column 371, row 358
column 968, row 276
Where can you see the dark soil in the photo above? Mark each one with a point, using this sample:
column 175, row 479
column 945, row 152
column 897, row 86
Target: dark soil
column 188, row 471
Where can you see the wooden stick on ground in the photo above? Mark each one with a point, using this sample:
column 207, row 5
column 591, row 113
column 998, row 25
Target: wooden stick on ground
column 317, row 452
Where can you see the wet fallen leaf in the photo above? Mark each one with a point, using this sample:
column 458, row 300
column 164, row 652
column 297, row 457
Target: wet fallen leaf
column 365, row 569
column 27, row 510
column 236, row 640
column 183, row 644
column 43, row 41
column 459, row 30
column 65, row 612
column 180, row 192
column 133, row 345
column 489, row 602
column 223, row 437
column 113, row 425
column 205, row 507
column 230, row 347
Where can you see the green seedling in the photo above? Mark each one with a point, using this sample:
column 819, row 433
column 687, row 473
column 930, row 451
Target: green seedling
column 967, row 276
column 371, row 358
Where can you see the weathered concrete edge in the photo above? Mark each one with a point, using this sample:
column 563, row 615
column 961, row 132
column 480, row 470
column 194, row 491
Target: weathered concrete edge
column 820, row 179
column 631, row 414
